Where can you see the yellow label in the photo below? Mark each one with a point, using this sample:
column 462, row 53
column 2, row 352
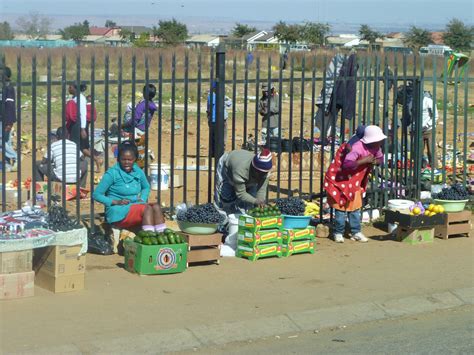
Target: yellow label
column 246, row 253
column 301, row 233
column 301, row 246
column 269, row 236
column 269, row 222
column 268, row 250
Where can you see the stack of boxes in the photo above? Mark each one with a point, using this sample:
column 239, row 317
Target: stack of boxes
column 60, row 268
column 297, row 241
column 17, row 280
column 259, row 237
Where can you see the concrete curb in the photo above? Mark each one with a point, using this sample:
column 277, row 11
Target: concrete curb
column 218, row 334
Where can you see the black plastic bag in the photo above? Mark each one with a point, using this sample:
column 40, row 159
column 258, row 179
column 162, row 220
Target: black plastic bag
column 98, row 243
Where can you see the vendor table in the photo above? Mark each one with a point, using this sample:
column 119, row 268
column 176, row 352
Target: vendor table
column 46, row 238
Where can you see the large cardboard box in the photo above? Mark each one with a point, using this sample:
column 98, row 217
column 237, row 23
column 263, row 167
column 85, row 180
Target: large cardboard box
column 17, row 285
column 60, row 260
column 65, row 283
column 16, row 261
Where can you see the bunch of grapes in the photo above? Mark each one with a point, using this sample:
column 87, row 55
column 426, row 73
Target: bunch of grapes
column 455, row 192
column 292, row 206
column 59, row 221
column 207, row 214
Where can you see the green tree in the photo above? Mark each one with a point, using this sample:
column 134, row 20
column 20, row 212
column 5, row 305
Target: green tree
column 34, row 25
column 241, row 30
column 127, row 35
column 458, row 35
column 315, row 33
column 143, row 40
column 368, row 34
column 417, row 37
column 110, row 24
column 171, row 32
column 76, row 32
column 5, row 31
column 288, row 33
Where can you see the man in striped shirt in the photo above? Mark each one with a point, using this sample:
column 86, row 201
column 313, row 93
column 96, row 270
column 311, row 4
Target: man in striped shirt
column 57, row 162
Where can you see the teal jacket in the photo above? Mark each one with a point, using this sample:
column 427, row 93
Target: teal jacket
column 116, row 184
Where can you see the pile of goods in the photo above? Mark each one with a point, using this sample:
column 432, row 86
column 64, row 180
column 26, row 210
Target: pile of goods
column 59, row 221
column 205, row 214
column 428, row 210
column 297, row 241
column 456, row 192
column 292, row 206
column 267, row 211
column 311, row 209
column 168, row 236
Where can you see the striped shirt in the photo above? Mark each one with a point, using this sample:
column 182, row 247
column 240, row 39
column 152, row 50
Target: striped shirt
column 57, row 160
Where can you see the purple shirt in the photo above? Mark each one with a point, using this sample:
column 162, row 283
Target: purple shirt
column 359, row 151
column 139, row 119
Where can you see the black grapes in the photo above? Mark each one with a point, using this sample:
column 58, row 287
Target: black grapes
column 59, row 221
column 455, row 192
column 207, row 214
column 292, row 206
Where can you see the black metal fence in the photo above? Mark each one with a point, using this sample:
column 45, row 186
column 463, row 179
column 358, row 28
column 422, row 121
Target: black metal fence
column 182, row 137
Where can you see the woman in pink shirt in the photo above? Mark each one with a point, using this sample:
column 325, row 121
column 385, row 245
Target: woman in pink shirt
column 346, row 180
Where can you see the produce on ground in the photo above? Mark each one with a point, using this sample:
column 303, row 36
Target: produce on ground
column 168, row 236
column 206, row 214
column 292, row 206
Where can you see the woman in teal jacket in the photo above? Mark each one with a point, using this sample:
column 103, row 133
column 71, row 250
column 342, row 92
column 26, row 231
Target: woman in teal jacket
column 124, row 191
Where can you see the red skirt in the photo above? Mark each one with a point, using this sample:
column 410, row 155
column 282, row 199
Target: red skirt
column 134, row 217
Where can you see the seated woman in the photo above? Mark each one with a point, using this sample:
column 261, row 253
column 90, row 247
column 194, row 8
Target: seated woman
column 124, row 191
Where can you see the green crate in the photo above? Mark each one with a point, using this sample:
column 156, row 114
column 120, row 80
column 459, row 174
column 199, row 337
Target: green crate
column 253, row 224
column 258, row 251
column 298, row 247
column 290, row 235
column 415, row 236
column 260, row 237
column 155, row 259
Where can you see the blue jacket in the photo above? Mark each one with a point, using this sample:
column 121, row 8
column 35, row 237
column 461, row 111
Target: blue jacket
column 116, row 184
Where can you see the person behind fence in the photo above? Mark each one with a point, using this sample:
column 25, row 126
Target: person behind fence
column 269, row 109
column 211, row 116
column 347, row 177
column 7, row 120
column 429, row 113
column 124, row 190
column 57, row 167
column 242, row 180
column 138, row 123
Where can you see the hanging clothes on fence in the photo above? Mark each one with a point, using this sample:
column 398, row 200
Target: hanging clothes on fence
column 338, row 93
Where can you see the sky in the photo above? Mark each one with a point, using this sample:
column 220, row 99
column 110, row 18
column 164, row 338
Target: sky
column 372, row 12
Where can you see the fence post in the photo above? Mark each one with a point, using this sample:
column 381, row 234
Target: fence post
column 219, row 139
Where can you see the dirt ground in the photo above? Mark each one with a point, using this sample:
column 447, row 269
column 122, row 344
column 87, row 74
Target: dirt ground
column 117, row 303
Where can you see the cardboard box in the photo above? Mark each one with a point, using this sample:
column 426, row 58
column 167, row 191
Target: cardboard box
column 17, row 285
column 259, row 251
column 59, row 260
column 16, row 261
column 65, row 283
column 255, row 224
column 290, row 235
column 259, row 237
column 11, row 194
column 155, row 259
column 298, row 247
column 415, row 236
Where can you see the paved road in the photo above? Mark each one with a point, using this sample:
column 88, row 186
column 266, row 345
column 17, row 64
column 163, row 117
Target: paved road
column 442, row 332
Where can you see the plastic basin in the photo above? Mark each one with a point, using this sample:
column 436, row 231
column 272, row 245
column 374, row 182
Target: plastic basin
column 399, row 205
column 197, row 228
column 451, row 205
column 295, row 222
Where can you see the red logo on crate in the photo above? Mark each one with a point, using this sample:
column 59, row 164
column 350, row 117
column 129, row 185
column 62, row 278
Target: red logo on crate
column 166, row 259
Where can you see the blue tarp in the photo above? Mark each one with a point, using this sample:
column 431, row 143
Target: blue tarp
column 40, row 43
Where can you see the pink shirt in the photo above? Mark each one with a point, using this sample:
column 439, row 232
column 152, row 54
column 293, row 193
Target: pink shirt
column 359, row 151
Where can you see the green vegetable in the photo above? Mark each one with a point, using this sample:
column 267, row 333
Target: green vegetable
column 154, row 240
column 137, row 239
column 142, row 234
column 161, row 240
column 146, row 241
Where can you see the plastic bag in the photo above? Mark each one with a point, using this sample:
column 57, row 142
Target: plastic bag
column 98, row 243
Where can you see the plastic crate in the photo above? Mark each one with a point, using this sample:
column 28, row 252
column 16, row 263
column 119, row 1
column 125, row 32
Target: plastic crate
column 255, row 224
column 259, row 251
column 260, row 237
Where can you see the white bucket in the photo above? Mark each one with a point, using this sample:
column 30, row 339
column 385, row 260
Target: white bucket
column 165, row 177
column 400, row 205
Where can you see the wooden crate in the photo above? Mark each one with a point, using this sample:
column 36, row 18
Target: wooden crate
column 415, row 236
column 457, row 223
column 203, row 248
